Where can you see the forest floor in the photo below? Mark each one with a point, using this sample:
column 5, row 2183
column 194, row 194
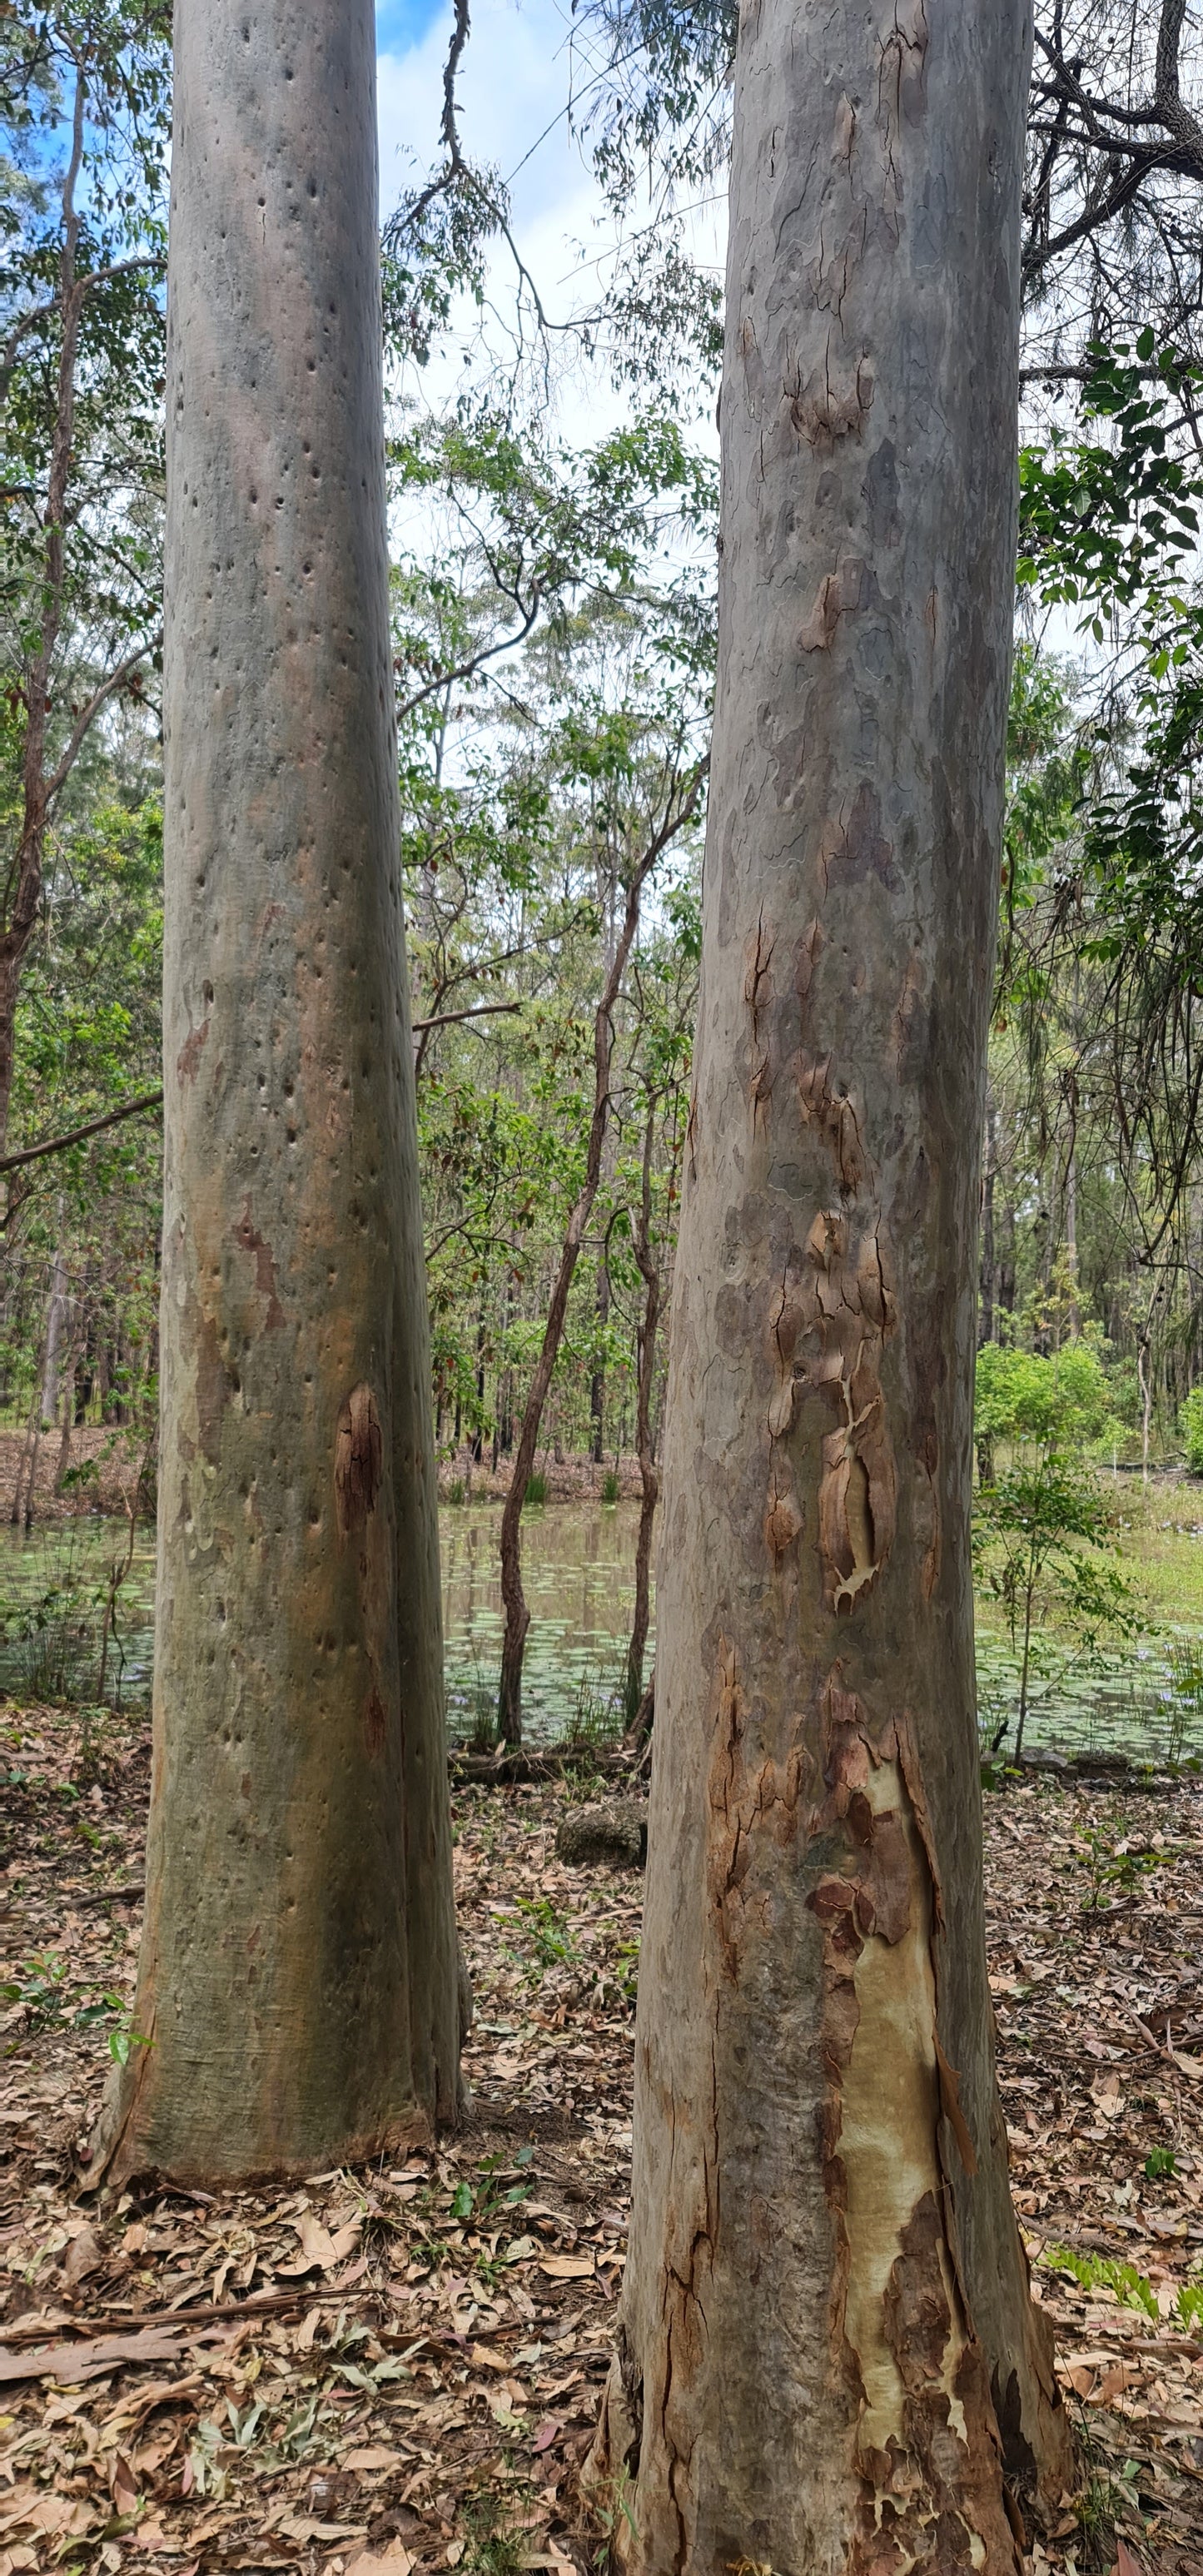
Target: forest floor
column 397, row 2369
column 112, row 1461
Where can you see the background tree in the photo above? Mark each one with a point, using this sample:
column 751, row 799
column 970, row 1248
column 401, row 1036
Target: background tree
column 86, row 92
column 297, row 1982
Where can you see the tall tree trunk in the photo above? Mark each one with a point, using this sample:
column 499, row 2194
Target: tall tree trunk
column 680, row 806
column 298, row 1970
column 649, row 1482
column 826, row 2341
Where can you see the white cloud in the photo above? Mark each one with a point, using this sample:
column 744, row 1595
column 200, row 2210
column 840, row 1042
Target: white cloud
column 513, row 89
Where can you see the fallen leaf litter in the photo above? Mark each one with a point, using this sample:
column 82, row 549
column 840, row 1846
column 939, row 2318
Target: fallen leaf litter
column 398, row 2368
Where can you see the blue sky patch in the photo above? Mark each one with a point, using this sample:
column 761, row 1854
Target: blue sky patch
column 402, row 23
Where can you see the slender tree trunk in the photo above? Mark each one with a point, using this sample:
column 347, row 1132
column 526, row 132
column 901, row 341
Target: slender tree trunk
column 597, row 1381
column 649, row 1482
column 682, row 803
column 827, row 2345
column 56, row 1323
column 1071, row 1233
column 298, row 1970
column 985, row 1321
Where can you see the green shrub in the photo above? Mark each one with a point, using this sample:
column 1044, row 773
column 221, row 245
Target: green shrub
column 610, row 1486
column 1061, row 1402
column 536, row 1490
column 1190, row 1424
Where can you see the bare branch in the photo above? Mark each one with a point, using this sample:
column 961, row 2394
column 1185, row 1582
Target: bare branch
column 77, row 1135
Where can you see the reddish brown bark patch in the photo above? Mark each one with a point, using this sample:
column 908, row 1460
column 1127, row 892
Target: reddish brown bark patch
column 375, row 1724
column 191, row 1052
column 253, row 1242
column 358, row 1459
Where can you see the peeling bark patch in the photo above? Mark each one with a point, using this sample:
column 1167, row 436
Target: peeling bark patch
column 758, row 990
column 840, row 594
column 358, row 1460
column 246, row 1234
column 826, row 413
column 833, row 1113
column 830, row 1319
column 743, row 1804
column 927, row 2443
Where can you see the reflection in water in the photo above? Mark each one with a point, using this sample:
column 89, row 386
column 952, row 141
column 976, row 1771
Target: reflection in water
column 578, row 1575
column 578, row 1572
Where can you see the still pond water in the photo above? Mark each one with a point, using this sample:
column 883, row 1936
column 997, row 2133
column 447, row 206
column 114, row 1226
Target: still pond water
column 577, row 1561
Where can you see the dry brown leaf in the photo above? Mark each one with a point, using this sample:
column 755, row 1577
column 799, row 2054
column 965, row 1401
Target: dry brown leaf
column 68, row 2362
column 83, row 2255
column 566, row 2267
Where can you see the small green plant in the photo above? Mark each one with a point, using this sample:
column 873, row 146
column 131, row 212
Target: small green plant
column 1102, row 2272
column 1184, row 1697
column 456, row 1494
column 53, row 1641
column 496, row 2540
column 124, row 2041
column 549, row 1935
column 626, row 1970
column 485, row 2200
column 536, row 1488
column 1040, row 1533
column 1110, row 1864
column 609, row 1491
column 41, row 1986
column 1160, row 2163
column 596, row 1721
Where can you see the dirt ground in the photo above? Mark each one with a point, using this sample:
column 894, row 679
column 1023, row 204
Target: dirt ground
column 398, row 2368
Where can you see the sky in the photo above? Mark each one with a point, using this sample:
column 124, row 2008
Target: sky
column 514, row 87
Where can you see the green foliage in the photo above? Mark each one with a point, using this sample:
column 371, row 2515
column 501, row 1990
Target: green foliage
column 1130, row 2287
column 536, row 1488
column 1059, row 1402
column 1040, row 1533
column 549, row 1935
column 1102, row 2272
column 1105, row 519
column 1160, row 2164
column 1112, row 1863
column 1190, row 1424
column 610, row 1488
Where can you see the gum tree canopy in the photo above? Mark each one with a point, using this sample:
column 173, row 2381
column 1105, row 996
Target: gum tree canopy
column 297, row 1989
column 827, row 2355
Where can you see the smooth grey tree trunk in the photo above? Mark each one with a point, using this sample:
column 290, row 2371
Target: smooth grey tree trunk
column 826, row 2343
column 298, row 1971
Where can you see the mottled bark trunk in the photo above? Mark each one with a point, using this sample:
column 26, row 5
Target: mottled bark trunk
column 826, row 2340
column 649, row 1482
column 298, row 1971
